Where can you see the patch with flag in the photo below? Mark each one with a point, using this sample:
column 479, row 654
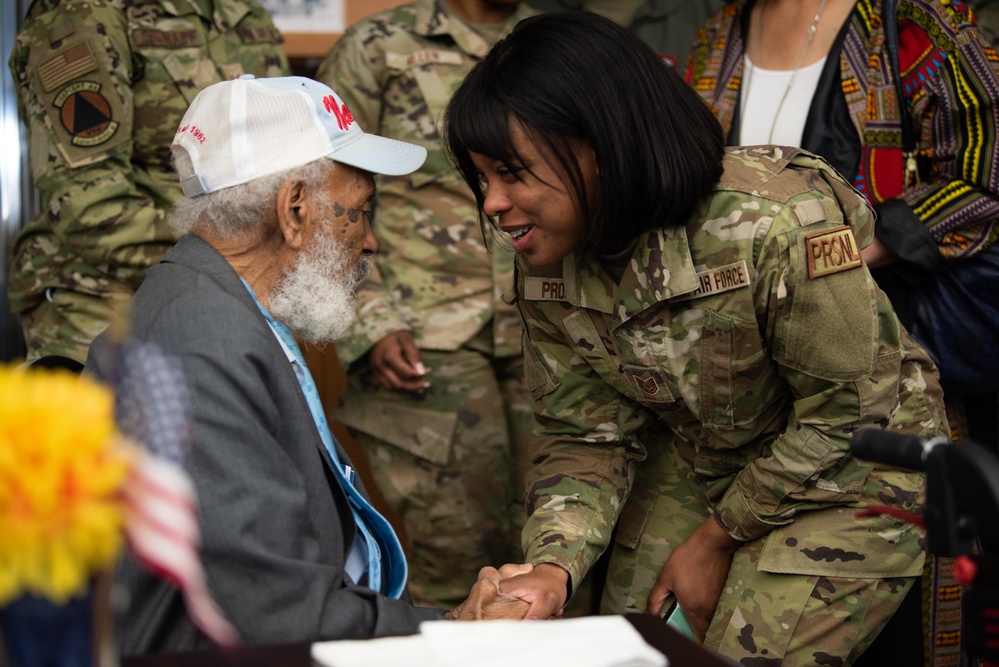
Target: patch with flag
column 161, row 526
column 66, row 66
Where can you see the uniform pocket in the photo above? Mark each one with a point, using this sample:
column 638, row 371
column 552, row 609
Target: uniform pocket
column 401, row 422
column 828, row 325
column 735, row 369
column 539, row 379
column 834, row 542
column 635, row 513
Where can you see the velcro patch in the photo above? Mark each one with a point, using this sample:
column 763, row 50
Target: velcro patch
column 718, row 280
column 544, row 289
column 262, row 34
column 165, row 39
column 66, row 65
column 809, row 212
column 831, row 252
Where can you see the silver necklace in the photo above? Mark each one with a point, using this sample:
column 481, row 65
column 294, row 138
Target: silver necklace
column 794, row 72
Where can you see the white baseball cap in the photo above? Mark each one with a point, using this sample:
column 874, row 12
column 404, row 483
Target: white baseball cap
column 239, row 130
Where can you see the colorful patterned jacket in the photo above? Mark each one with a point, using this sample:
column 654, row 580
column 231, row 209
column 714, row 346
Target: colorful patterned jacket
column 950, row 79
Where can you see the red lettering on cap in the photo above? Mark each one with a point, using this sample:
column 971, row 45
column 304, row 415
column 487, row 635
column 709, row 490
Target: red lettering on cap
column 193, row 129
column 344, row 119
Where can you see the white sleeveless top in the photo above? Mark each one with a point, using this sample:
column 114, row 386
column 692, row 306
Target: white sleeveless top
column 760, row 97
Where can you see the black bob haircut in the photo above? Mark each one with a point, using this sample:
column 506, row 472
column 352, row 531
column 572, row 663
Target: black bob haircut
column 576, row 76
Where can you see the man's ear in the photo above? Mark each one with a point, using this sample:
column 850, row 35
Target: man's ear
column 294, row 211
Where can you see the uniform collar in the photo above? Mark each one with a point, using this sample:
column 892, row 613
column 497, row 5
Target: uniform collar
column 660, row 268
column 433, row 20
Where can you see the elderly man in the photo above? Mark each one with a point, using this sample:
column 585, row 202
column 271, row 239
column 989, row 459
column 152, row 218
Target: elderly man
column 278, row 180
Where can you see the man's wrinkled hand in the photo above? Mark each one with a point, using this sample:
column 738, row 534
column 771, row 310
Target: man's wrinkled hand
column 485, row 602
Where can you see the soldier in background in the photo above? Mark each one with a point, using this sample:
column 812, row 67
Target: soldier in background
column 668, row 26
column 435, row 391
column 102, row 87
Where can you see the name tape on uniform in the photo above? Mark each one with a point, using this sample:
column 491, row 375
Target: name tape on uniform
column 544, row 289
column 403, row 61
column 831, row 252
column 718, row 280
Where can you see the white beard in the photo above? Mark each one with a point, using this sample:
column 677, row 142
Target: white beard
column 317, row 296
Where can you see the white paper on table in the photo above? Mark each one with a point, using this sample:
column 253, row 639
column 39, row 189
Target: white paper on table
column 593, row 641
column 411, row 651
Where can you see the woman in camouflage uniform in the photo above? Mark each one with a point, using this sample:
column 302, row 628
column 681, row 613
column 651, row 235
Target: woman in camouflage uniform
column 702, row 337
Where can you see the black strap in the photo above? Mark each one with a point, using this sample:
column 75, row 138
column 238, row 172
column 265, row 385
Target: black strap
column 889, row 18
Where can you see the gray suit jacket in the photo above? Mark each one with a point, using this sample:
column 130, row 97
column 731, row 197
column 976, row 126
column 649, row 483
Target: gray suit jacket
column 275, row 524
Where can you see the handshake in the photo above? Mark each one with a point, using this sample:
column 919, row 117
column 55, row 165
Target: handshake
column 514, row 592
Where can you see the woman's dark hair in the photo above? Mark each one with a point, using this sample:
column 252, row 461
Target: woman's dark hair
column 573, row 76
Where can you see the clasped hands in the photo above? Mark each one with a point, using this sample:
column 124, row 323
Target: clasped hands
column 515, row 592
column 695, row 573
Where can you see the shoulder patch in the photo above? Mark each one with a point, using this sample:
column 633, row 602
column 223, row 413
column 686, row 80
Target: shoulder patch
column 544, row 289
column 74, row 97
column 85, row 113
column 831, row 252
column 66, row 65
column 719, row 279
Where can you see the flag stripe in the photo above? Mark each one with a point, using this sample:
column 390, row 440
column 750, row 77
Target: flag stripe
column 65, row 66
column 161, row 521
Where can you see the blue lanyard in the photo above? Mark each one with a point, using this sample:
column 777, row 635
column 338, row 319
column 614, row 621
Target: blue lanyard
column 380, row 539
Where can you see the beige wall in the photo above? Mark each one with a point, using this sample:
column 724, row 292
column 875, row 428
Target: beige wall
column 316, row 45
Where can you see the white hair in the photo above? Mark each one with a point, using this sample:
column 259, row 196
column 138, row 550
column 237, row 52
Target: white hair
column 239, row 209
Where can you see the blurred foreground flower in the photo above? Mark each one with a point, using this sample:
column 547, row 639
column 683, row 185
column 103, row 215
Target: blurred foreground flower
column 62, row 467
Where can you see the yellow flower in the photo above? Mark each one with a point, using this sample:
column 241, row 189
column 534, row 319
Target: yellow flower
column 62, row 466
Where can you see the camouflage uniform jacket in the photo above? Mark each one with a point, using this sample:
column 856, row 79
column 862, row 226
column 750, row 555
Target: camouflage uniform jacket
column 755, row 341
column 433, row 274
column 102, row 87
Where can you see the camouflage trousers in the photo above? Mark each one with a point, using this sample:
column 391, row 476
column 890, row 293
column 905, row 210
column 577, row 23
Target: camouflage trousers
column 452, row 463
column 763, row 617
column 67, row 322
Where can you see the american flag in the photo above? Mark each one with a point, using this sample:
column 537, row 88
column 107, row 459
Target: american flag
column 161, row 526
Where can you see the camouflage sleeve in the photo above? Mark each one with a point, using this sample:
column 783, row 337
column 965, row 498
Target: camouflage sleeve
column 584, row 462
column 72, row 66
column 837, row 345
column 354, row 68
